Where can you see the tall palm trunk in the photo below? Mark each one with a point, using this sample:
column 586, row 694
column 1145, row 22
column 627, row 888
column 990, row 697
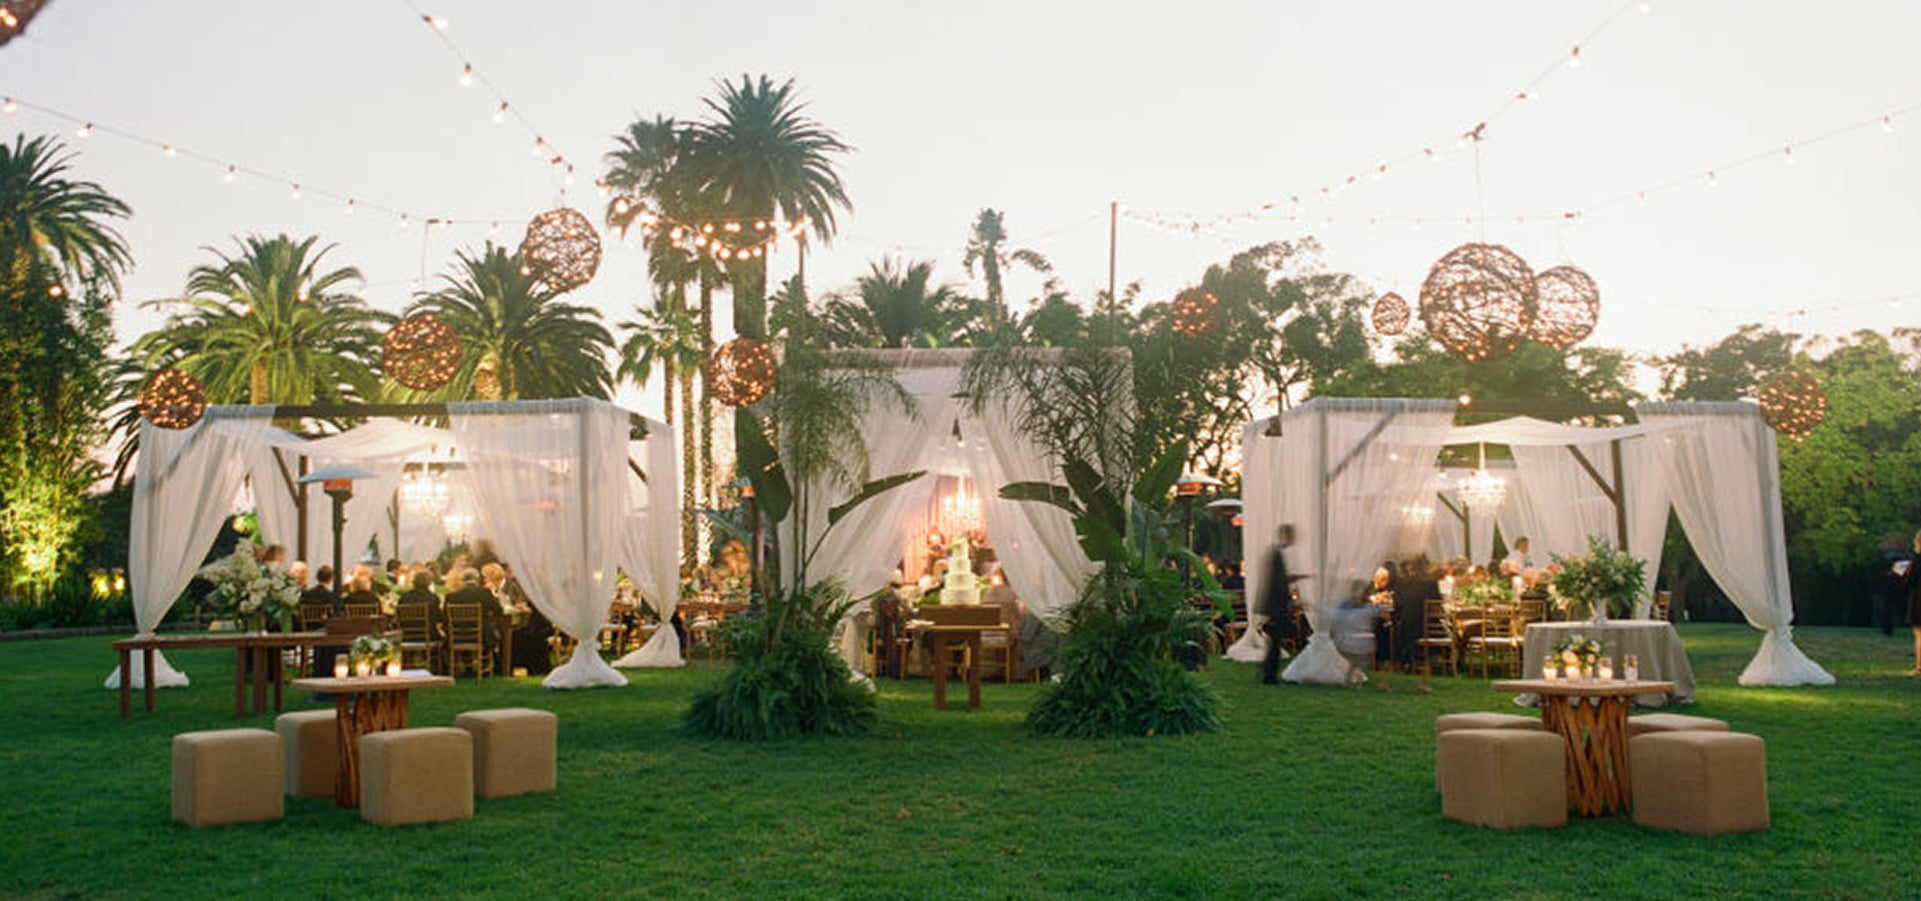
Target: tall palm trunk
column 708, row 490
column 689, row 548
column 257, row 383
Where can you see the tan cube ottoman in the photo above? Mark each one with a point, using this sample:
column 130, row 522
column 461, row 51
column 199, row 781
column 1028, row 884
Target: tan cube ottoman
column 1503, row 778
column 227, row 776
column 513, row 750
column 1672, row 722
column 1704, row 783
column 313, row 751
column 1448, row 722
column 416, row 776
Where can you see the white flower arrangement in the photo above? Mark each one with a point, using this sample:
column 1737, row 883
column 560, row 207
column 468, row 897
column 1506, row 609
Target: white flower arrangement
column 243, row 588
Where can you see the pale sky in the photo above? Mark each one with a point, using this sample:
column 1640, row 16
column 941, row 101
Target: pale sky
column 1049, row 111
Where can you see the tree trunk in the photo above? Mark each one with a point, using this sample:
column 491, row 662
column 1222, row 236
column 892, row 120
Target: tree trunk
column 708, row 490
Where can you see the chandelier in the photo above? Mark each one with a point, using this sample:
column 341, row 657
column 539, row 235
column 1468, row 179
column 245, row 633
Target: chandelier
column 425, row 489
column 1483, row 490
column 960, row 512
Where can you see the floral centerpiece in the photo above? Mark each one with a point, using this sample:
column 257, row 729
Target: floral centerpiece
column 1578, row 651
column 374, row 651
column 1484, row 592
column 246, row 590
column 1604, row 581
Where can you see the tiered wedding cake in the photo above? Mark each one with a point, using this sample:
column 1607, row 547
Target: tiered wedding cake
column 960, row 586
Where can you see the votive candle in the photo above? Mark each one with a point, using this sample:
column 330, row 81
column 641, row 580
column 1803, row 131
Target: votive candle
column 340, row 669
column 1607, row 669
column 363, row 668
column 393, row 667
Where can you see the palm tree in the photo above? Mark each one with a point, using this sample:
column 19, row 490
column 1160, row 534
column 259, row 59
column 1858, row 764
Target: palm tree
column 48, row 220
column 766, row 160
column 268, row 325
column 518, row 340
column 670, row 337
column 896, row 308
column 984, row 247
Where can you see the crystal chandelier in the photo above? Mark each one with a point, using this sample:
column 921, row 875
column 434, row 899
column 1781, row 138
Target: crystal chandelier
column 425, row 489
column 1483, row 490
column 960, row 512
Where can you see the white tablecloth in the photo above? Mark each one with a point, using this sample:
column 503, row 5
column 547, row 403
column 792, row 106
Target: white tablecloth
column 1652, row 640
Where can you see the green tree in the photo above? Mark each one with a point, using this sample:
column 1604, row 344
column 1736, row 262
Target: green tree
column 669, row 338
column 896, row 307
column 268, row 325
column 1729, row 369
column 767, row 160
column 519, row 340
column 60, row 265
column 986, row 247
column 1053, row 320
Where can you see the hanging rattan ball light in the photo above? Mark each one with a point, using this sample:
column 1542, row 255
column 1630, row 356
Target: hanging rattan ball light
column 1478, row 301
column 561, row 249
column 172, row 399
column 1391, row 314
column 1193, row 312
column 740, row 372
column 1567, row 306
column 1793, row 403
column 421, row 352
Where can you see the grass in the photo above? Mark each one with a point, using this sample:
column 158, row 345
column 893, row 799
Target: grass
column 1307, row 792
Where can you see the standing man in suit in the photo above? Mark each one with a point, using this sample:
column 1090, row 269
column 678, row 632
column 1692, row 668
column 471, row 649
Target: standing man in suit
column 1277, row 601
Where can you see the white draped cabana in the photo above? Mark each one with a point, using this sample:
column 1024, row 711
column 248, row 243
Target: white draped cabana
column 1348, row 472
column 1034, row 542
column 553, row 483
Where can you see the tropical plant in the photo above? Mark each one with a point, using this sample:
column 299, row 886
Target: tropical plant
column 896, row 307
column 765, row 159
column 267, row 325
column 1604, row 578
column 985, row 247
column 792, row 686
column 518, row 339
column 56, row 223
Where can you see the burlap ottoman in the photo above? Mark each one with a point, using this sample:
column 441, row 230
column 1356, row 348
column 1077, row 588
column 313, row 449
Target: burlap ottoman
column 1503, row 778
column 513, row 750
column 1448, row 722
column 416, row 776
column 1672, row 722
column 1704, row 783
column 227, row 776
column 313, row 751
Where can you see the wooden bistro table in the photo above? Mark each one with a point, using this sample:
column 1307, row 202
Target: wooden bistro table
column 364, row 704
column 1592, row 717
column 943, row 637
column 256, row 662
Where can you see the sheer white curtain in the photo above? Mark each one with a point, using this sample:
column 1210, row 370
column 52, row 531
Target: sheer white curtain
column 1562, row 504
column 548, row 479
column 651, row 550
column 184, row 486
column 1261, row 480
column 1723, row 476
column 1035, row 541
column 1371, row 458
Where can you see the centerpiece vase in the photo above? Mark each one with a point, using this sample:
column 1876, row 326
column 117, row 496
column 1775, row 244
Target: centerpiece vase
column 1599, row 608
column 257, row 624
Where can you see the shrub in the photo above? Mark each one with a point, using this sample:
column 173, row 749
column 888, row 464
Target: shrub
column 787, row 679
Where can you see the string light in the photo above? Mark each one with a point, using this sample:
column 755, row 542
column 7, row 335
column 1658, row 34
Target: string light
column 232, row 172
column 85, row 131
column 500, row 113
column 10, row 106
column 467, row 75
column 296, row 191
column 168, row 152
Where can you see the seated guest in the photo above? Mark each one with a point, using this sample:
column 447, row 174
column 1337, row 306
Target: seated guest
column 464, row 587
column 360, row 588
column 1418, row 584
column 298, row 571
column 1231, row 578
column 422, row 595
column 322, row 591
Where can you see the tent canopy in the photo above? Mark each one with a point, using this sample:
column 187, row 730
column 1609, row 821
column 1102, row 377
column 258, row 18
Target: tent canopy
column 1349, row 472
column 553, row 483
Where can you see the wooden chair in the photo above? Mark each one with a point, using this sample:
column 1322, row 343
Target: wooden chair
column 362, row 609
column 1004, row 646
column 1437, row 636
column 1499, row 643
column 419, row 646
column 466, row 640
column 313, row 617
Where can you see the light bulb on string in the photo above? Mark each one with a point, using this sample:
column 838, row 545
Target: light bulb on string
column 500, row 113
column 1787, row 155
column 1887, row 123
column 1574, row 57
column 1712, row 181
column 467, row 76
column 168, row 151
column 435, row 22
column 84, row 132
column 231, row 172
column 350, row 206
column 10, row 106
column 540, row 146
column 296, row 191
column 403, row 220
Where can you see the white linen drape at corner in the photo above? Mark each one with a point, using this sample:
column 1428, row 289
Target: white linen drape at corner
column 1368, row 461
column 651, row 550
column 184, row 486
column 546, row 476
column 1723, row 477
column 1035, row 542
column 1261, row 514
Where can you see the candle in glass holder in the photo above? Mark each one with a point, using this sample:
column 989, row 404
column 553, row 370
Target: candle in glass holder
column 364, row 668
column 393, row 667
column 1631, row 665
column 340, row 668
column 1548, row 669
column 1607, row 669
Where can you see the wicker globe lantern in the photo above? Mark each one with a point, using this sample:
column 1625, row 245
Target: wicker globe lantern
column 741, row 372
column 561, row 249
column 1193, row 312
column 1567, row 308
column 421, row 352
column 1479, row 301
column 1391, row 314
column 172, row 399
column 1793, row 403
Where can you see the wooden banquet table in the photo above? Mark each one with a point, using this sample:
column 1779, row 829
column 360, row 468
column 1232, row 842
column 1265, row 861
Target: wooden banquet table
column 1652, row 640
column 257, row 662
column 364, row 704
column 942, row 638
column 1592, row 717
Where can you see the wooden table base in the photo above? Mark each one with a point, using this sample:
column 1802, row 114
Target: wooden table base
column 1595, row 729
column 357, row 715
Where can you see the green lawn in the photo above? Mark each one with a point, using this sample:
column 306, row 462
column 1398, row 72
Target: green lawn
column 1308, row 792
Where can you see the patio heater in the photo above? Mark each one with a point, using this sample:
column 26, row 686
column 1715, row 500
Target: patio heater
column 1188, row 490
column 338, row 482
column 746, row 487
